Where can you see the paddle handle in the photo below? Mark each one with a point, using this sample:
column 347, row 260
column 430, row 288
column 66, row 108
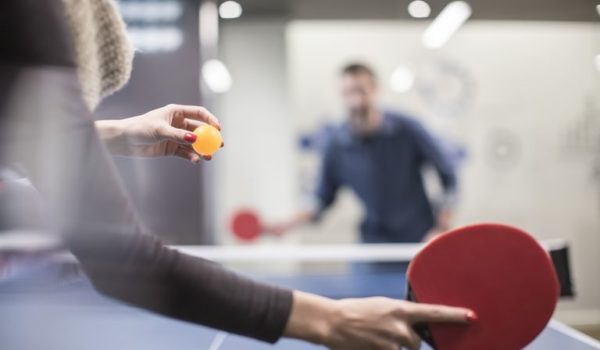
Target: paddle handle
column 422, row 329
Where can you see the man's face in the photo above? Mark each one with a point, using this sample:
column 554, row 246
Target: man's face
column 359, row 94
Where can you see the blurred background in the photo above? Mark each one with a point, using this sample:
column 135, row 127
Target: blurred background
column 510, row 89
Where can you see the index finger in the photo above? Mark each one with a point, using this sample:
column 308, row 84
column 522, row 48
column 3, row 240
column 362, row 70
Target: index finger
column 197, row 113
column 418, row 313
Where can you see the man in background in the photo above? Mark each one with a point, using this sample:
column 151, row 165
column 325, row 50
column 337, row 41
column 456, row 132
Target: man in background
column 379, row 155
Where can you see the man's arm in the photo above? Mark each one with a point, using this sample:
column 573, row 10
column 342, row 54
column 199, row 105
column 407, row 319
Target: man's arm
column 430, row 152
column 324, row 196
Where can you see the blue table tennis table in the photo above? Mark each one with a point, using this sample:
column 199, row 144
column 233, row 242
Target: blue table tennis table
column 43, row 309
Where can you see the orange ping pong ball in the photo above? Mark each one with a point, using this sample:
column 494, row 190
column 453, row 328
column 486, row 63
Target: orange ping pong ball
column 208, row 140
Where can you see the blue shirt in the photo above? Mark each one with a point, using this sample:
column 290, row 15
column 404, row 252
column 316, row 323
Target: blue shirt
column 384, row 170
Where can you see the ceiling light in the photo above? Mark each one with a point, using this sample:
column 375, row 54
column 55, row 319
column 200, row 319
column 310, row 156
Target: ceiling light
column 230, row 9
column 402, row 79
column 216, row 76
column 419, row 9
column 445, row 24
column 150, row 11
column 155, row 39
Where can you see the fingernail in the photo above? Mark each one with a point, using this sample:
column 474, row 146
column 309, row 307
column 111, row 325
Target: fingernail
column 222, row 144
column 207, row 157
column 471, row 316
column 189, row 137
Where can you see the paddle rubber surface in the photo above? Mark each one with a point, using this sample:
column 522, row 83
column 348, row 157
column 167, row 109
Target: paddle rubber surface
column 498, row 271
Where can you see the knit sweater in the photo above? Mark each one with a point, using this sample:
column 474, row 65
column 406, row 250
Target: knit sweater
column 103, row 52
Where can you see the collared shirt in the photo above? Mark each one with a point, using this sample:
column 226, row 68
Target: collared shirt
column 384, row 171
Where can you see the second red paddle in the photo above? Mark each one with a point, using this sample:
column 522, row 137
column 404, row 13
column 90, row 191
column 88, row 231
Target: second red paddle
column 246, row 225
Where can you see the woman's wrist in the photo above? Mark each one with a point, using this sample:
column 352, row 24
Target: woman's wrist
column 312, row 318
column 113, row 134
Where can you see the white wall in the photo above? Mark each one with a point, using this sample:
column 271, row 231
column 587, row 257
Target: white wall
column 256, row 168
column 531, row 81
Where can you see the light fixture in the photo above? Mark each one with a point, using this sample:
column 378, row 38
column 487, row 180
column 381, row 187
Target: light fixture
column 230, row 9
column 419, row 9
column 150, row 11
column 598, row 9
column 155, row 39
column 445, row 24
column 216, row 76
column 402, row 79
column 597, row 62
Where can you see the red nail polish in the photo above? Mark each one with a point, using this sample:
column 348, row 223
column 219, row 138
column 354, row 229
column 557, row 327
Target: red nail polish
column 189, row 137
column 222, row 144
column 471, row 316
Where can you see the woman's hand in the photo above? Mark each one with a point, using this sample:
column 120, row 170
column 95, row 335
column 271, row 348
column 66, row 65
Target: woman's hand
column 365, row 324
column 166, row 131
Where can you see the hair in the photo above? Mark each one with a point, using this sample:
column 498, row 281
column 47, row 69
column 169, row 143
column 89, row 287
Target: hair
column 359, row 68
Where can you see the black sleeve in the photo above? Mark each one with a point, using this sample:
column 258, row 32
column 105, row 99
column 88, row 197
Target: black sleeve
column 46, row 128
column 139, row 270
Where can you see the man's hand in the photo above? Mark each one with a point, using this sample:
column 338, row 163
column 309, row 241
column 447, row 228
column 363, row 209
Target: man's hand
column 282, row 227
column 166, row 131
column 434, row 232
column 365, row 324
column 277, row 229
column 442, row 225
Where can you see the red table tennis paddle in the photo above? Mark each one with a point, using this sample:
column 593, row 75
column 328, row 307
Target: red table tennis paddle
column 246, row 225
column 501, row 273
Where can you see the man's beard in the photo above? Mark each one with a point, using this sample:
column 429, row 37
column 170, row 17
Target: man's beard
column 360, row 113
column 360, row 119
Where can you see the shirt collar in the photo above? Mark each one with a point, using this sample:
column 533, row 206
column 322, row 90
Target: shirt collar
column 386, row 128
